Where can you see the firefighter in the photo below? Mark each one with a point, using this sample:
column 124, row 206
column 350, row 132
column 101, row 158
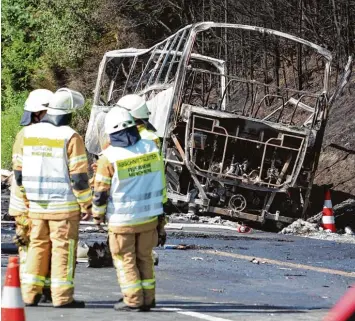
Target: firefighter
column 34, row 110
column 137, row 107
column 53, row 176
column 128, row 190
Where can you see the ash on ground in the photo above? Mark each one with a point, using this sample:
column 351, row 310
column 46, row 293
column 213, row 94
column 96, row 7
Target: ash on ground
column 315, row 231
column 192, row 218
column 344, row 214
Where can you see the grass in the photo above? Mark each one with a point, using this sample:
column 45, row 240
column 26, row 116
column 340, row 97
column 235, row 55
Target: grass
column 10, row 126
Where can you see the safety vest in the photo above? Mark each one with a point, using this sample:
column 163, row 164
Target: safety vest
column 45, row 173
column 150, row 135
column 137, row 186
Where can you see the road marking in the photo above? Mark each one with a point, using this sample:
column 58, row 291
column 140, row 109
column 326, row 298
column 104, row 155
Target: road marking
column 282, row 263
column 195, row 314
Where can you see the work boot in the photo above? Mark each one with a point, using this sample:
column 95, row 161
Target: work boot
column 46, row 296
column 73, row 305
column 35, row 301
column 123, row 307
column 147, row 308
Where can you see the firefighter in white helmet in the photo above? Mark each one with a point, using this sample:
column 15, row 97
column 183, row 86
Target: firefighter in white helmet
column 137, row 107
column 128, row 190
column 54, row 178
column 34, row 110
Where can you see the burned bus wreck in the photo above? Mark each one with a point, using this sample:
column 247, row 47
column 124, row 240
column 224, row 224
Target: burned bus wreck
column 241, row 111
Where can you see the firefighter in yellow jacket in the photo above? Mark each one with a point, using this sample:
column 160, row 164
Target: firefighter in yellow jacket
column 129, row 191
column 53, row 175
column 34, row 110
column 138, row 109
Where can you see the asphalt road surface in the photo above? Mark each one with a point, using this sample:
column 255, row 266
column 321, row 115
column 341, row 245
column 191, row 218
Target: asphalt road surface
column 292, row 278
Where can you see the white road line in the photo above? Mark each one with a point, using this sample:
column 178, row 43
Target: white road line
column 282, row 263
column 195, row 314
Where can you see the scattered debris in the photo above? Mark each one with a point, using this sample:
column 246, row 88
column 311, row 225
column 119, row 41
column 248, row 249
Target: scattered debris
column 82, row 250
column 217, row 290
column 217, row 220
column 93, row 229
column 255, row 261
column 179, row 247
column 244, row 229
column 99, row 255
column 300, row 227
column 348, row 230
column 313, row 230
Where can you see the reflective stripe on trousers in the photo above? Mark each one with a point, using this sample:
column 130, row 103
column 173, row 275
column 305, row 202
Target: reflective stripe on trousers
column 68, row 282
column 149, row 284
column 33, row 279
column 71, row 258
column 23, row 257
column 125, row 286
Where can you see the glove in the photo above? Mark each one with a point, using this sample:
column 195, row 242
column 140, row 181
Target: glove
column 94, row 167
column 161, row 230
column 21, row 238
column 86, row 216
column 161, row 237
column 98, row 220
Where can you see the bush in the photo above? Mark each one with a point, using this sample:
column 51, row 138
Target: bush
column 10, row 126
column 81, row 118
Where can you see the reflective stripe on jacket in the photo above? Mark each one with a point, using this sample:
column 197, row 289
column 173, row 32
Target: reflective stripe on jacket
column 150, row 135
column 45, row 174
column 137, row 184
column 18, row 203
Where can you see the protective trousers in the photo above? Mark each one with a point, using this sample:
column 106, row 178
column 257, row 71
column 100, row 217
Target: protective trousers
column 23, row 250
column 51, row 242
column 133, row 259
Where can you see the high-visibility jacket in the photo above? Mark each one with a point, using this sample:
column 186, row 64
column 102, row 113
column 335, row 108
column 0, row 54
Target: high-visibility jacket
column 18, row 204
column 134, row 177
column 150, row 135
column 55, row 179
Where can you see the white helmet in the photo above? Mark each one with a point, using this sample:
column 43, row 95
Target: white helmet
column 38, row 100
column 65, row 101
column 118, row 119
column 136, row 105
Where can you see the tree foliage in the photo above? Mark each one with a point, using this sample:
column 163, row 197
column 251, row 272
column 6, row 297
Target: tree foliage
column 55, row 43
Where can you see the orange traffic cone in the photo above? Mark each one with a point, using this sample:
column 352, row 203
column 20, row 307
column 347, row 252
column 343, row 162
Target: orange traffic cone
column 328, row 215
column 12, row 308
column 344, row 309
